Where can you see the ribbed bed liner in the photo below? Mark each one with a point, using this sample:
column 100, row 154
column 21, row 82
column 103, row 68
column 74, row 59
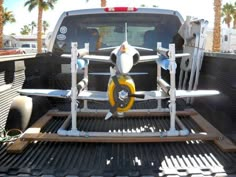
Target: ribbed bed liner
column 107, row 159
column 81, row 159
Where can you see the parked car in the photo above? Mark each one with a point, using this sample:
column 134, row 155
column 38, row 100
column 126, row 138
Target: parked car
column 29, row 48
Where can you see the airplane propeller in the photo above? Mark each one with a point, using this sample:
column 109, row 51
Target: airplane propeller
column 122, row 95
column 113, row 108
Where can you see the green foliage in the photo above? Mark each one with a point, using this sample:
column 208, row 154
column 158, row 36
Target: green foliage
column 8, row 17
column 229, row 14
column 32, row 25
column 45, row 5
column 45, row 26
column 25, row 30
column 42, row 5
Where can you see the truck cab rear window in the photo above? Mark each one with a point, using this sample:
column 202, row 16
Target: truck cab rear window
column 108, row 30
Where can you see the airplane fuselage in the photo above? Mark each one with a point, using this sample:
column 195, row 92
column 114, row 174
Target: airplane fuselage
column 124, row 57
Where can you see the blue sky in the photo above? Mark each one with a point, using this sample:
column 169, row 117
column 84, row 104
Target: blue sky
column 197, row 8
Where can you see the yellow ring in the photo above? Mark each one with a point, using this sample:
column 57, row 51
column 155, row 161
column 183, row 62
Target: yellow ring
column 126, row 81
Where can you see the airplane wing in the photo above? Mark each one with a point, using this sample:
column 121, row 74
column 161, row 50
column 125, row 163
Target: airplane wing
column 195, row 93
column 102, row 96
column 142, row 48
column 148, row 95
column 46, row 93
column 148, row 58
column 83, row 95
column 179, row 55
column 93, row 95
column 99, row 58
column 179, row 94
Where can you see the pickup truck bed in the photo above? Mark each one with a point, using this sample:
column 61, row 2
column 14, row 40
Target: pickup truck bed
column 117, row 159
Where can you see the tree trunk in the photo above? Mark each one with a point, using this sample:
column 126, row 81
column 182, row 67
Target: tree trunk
column 103, row 3
column 39, row 33
column 217, row 26
column 1, row 23
column 234, row 27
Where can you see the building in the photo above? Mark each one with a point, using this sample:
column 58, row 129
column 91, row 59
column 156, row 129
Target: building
column 228, row 40
column 19, row 40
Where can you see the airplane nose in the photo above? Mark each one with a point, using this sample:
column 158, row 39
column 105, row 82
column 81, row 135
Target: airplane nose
column 124, row 63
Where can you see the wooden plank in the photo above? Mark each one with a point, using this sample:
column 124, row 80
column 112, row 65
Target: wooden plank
column 115, row 139
column 222, row 141
column 19, row 145
column 41, row 122
column 95, row 114
column 33, row 133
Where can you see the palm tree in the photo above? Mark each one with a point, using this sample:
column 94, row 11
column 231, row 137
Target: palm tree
column 103, row 3
column 33, row 25
column 8, row 16
column 5, row 17
column 227, row 12
column 25, row 30
column 1, row 23
column 234, row 16
column 234, row 20
column 42, row 5
column 217, row 26
column 45, row 26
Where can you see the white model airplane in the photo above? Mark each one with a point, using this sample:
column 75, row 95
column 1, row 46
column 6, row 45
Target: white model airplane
column 121, row 92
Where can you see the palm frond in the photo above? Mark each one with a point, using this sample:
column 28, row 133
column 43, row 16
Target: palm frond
column 31, row 4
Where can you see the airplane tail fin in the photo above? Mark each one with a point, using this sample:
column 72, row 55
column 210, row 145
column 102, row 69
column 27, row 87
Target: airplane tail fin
column 126, row 31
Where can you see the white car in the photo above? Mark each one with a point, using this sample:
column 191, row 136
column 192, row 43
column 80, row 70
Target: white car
column 30, row 48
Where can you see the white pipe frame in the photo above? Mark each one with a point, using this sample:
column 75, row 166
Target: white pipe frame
column 83, row 84
column 74, row 92
column 172, row 106
column 158, row 78
column 86, row 46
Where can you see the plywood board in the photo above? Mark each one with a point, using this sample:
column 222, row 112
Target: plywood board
column 119, row 138
column 224, row 143
column 34, row 134
column 19, row 145
column 130, row 114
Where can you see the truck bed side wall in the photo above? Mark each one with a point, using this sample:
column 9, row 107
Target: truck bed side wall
column 12, row 76
column 218, row 72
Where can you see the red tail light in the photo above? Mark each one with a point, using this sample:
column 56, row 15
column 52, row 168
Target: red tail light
column 120, row 9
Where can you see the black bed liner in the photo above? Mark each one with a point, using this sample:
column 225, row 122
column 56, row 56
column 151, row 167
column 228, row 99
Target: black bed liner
column 128, row 159
column 61, row 159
